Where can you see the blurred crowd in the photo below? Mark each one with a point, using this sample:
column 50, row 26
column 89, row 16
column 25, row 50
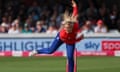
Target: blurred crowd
column 46, row 16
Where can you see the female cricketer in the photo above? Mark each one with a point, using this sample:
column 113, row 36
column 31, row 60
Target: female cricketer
column 67, row 35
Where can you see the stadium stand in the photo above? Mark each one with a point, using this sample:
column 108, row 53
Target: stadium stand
column 22, row 16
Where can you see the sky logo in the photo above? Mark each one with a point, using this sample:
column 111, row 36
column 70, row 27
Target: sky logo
column 92, row 45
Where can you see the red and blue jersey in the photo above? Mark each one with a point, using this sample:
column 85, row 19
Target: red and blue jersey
column 70, row 38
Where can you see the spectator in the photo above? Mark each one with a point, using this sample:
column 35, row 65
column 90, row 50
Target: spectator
column 100, row 28
column 88, row 27
column 52, row 29
column 26, row 29
column 28, row 22
column 10, row 19
column 4, row 20
column 104, row 15
column 39, row 27
column 3, row 28
column 35, row 17
column 14, row 29
column 58, row 20
column 114, row 17
column 50, row 11
column 34, row 8
column 17, row 23
column 43, row 23
column 4, row 24
column 91, row 12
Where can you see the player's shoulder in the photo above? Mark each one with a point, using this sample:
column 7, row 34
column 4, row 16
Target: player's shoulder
column 76, row 25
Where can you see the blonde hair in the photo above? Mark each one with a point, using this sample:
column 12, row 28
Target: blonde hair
column 69, row 18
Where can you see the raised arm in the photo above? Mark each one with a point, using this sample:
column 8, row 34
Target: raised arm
column 75, row 8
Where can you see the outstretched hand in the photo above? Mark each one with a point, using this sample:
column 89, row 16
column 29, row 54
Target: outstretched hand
column 73, row 3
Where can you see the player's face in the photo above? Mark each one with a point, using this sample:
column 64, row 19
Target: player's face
column 68, row 27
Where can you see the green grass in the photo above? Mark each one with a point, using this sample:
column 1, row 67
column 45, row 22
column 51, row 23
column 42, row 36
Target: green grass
column 57, row 64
